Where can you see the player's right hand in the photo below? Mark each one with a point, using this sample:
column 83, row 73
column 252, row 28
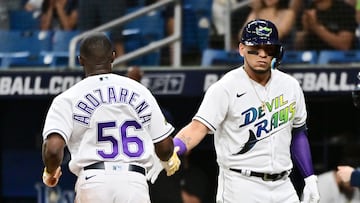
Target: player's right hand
column 311, row 192
column 51, row 180
column 173, row 164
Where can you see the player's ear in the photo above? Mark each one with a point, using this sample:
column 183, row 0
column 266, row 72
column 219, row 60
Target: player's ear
column 241, row 49
column 113, row 56
column 81, row 60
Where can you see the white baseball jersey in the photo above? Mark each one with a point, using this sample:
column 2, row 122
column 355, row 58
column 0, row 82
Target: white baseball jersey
column 249, row 135
column 109, row 118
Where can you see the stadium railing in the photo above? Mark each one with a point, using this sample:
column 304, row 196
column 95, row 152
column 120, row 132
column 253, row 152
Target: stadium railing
column 174, row 39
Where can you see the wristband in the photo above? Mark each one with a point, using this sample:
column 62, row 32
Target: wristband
column 355, row 178
column 182, row 146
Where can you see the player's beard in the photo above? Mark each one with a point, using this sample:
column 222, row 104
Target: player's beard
column 260, row 71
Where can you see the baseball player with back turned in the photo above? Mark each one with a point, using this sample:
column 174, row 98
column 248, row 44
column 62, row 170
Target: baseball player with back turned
column 258, row 116
column 110, row 125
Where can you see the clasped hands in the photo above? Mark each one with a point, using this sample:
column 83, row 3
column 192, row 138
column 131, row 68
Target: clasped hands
column 51, row 179
column 173, row 164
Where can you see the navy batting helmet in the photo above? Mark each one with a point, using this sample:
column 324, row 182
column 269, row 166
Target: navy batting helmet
column 262, row 32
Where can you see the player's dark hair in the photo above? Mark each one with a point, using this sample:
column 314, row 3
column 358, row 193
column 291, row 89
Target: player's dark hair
column 96, row 48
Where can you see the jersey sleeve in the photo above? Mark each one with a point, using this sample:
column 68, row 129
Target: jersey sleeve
column 301, row 113
column 58, row 119
column 159, row 128
column 214, row 107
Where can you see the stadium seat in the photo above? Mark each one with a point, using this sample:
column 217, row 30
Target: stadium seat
column 132, row 41
column 62, row 38
column 141, row 32
column 132, row 35
column 202, row 6
column 9, row 59
column 58, row 56
column 23, row 20
column 189, row 31
column 22, row 48
column 216, row 57
column 196, row 25
column 300, row 57
column 337, row 56
column 153, row 30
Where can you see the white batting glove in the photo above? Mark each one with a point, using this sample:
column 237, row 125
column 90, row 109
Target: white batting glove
column 173, row 164
column 155, row 170
column 51, row 180
column 311, row 191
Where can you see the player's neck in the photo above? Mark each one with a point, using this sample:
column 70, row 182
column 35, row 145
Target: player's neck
column 261, row 78
column 90, row 70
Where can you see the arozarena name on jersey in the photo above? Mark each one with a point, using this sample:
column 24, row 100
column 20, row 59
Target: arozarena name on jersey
column 91, row 101
column 34, row 85
column 282, row 112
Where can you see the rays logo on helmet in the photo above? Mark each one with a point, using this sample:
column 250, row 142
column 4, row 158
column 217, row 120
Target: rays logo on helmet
column 263, row 31
column 258, row 32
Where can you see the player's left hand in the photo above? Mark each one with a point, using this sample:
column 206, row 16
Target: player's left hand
column 155, row 170
column 311, row 191
column 173, row 164
column 51, row 180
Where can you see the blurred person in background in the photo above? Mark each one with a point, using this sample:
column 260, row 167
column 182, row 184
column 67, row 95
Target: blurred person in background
column 168, row 14
column 59, row 15
column 219, row 9
column 5, row 7
column 333, row 189
column 356, row 5
column 135, row 73
column 327, row 25
column 94, row 13
column 194, row 185
column 34, row 6
column 298, row 5
column 349, row 175
column 4, row 15
column 278, row 12
column 219, row 13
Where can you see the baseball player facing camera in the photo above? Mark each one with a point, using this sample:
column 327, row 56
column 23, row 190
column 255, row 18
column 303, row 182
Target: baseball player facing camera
column 113, row 127
column 258, row 115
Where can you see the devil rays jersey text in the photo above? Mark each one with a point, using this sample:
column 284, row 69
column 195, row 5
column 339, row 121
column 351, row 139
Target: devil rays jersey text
column 253, row 123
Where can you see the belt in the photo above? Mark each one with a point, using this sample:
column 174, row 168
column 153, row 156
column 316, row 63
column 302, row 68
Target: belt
column 264, row 176
column 101, row 165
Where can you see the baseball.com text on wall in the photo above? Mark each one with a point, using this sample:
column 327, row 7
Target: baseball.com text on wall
column 179, row 83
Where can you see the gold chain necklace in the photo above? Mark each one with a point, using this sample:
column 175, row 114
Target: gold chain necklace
column 263, row 102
